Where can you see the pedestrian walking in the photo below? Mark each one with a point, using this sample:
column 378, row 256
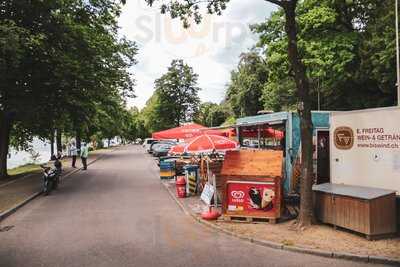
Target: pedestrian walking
column 74, row 153
column 84, row 155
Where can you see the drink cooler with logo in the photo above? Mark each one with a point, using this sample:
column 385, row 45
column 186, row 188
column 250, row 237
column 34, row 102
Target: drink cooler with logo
column 252, row 184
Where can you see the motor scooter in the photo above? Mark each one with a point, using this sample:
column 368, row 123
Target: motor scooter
column 51, row 176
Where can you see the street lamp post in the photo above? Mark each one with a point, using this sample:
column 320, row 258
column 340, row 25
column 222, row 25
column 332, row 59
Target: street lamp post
column 397, row 53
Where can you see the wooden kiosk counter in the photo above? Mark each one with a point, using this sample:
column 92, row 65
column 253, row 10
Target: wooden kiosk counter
column 252, row 185
column 370, row 211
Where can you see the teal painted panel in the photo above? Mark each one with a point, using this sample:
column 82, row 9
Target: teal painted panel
column 288, row 162
column 320, row 120
column 263, row 118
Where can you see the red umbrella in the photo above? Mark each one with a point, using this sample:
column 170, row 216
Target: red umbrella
column 184, row 132
column 204, row 144
column 177, row 149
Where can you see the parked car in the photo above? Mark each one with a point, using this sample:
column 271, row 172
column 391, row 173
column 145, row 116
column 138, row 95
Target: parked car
column 138, row 141
column 159, row 143
column 162, row 150
column 148, row 142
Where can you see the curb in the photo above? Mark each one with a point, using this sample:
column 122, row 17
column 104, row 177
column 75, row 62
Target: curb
column 275, row 245
column 12, row 210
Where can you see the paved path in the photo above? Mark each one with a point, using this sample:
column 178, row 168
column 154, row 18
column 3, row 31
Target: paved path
column 17, row 189
column 118, row 214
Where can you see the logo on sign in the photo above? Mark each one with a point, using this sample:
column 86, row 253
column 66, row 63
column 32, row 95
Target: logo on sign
column 237, row 194
column 344, row 138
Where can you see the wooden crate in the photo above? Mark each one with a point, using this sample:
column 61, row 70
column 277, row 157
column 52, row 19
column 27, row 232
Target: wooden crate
column 369, row 211
column 215, row 167
column 247, row 168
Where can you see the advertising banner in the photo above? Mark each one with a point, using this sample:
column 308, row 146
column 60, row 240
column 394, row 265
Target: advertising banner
column 365, row 148
column 250, row 198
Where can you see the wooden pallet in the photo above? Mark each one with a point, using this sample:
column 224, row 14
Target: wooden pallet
column 248, row 219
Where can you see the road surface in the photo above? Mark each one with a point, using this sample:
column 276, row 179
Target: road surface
column 118, row 214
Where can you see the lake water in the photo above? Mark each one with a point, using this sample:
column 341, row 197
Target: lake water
column 19, row 158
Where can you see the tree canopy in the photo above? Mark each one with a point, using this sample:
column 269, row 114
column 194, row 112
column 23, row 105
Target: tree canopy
column 61, row 62
column 348, row 50
column 175, row 100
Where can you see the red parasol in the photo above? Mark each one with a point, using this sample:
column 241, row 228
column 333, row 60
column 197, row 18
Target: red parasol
column 204, row 144
column 184, row 132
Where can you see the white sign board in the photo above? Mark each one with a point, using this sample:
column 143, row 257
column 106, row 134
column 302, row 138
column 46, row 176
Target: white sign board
column 207, row 194
column 365, row 148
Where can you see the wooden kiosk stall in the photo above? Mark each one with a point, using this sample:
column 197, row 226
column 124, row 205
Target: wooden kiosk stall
column 366, row 210
column 252, row 185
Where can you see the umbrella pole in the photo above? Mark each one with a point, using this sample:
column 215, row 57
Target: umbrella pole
column 214, row 184
column 215, row 192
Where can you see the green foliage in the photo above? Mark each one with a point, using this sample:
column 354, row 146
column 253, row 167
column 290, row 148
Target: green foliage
column 188, row 10
column 246, row 86
column 348, row 50
column 63, row 65
column 212, row 115
column 153, row 122
column 175, row 100
column 76, row 45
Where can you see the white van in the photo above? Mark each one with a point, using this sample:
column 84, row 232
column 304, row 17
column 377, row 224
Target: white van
column 147, row 143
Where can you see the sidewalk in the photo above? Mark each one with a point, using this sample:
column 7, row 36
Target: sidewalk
column 319, row 239
column 21, row 188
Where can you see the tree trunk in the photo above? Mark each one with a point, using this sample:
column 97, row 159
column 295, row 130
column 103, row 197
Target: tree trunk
column 52, row 143
column 306, row 216
column 58, row 140
column 5, row 128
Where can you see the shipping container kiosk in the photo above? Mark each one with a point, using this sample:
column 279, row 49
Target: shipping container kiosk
column 289, row 123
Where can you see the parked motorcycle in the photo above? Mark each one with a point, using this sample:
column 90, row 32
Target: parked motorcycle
column 51, row 176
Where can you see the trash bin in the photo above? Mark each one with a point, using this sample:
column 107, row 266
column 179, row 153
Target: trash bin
column 192, row 179
column 181, row 187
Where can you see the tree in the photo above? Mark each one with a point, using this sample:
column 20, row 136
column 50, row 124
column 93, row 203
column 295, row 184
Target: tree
column 348, row 66
column 212, row 115
column 189, row 9
column 151, row 116
column 246, row 86
column 177, row 95
column 59, row 61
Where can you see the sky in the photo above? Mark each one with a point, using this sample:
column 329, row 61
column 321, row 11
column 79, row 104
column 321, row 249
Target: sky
column 212, row 48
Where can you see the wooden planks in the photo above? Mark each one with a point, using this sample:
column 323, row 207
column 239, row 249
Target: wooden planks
column 253, row 163
column 249, row 219
column 382, row 212
column 373, row 217
column 252, row 173
column 398, row 213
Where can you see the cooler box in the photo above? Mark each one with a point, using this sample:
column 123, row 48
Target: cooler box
column 252, row 185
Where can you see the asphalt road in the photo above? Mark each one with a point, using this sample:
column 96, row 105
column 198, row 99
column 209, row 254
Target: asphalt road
column 118, row 214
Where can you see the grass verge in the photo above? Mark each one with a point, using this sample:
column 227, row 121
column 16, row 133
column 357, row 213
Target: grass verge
column 23, row 169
